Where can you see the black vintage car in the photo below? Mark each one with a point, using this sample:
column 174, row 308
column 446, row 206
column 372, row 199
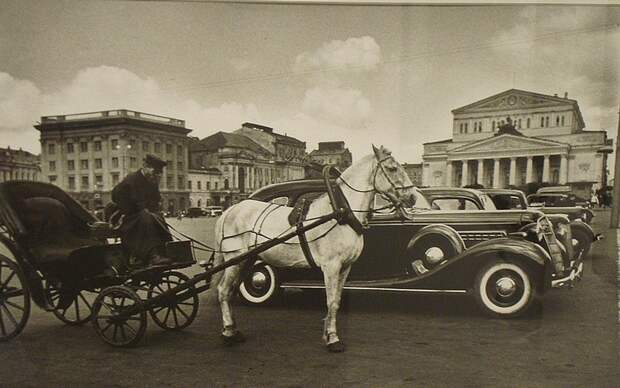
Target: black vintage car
column 503, row 258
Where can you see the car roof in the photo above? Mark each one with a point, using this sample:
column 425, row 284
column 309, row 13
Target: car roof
column 502, row 191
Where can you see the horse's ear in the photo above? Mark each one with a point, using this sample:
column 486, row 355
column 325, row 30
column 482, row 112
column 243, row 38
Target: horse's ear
column 376, row 151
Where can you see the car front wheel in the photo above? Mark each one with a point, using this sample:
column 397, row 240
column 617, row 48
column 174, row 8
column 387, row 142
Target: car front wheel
column 504, row 289
column 261, row 285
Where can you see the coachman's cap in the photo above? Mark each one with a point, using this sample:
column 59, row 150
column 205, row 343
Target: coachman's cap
column 155, row 162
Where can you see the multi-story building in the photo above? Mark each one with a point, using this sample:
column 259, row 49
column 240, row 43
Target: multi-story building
column 414, row 170
column 87, row 154
column 18, row 165
column 204, row 184
column 332, row 152
column 247, row 159
column 517, row 137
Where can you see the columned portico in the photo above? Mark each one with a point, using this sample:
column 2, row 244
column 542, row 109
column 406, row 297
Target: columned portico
column 529, row 170
column 545, row 176
column 480, row 175
column 513, row 171
column 465, row 179
column 563, row 169
column 496, row 166
column 449, row 173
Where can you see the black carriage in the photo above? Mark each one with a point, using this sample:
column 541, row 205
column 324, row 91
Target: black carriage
column 66, row 261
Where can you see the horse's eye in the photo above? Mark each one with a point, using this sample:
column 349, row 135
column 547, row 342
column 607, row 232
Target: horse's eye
column 391, row 168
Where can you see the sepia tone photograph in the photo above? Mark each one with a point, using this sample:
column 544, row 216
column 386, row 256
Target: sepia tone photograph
column 309, row 194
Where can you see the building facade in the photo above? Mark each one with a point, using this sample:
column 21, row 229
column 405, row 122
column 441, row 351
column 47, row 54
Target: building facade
column 247, row 159
column 414, row 170
column 332, row 152
column 18, row 165
column 517, row 137
column 203, row 185
column 87, row 154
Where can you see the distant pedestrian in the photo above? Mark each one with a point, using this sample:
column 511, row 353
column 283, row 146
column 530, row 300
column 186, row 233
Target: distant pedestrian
column 594, row 200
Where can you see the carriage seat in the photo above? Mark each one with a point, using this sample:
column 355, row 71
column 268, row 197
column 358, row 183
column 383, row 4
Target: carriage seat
column 52, row 232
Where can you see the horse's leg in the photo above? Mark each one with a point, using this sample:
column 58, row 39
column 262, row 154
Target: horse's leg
column 226, row 289
column 333, row 290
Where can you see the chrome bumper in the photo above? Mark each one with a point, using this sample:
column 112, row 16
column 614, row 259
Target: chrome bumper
column 573, row 277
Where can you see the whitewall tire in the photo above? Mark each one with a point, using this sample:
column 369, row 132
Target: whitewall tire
column 504, row 289
column 261, row 285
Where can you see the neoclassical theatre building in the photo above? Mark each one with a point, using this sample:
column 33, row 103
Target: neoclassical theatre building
column 516, row 137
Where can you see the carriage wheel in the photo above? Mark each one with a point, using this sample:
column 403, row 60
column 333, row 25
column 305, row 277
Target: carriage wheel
column 115, row 331
column 14, row 299
column 78, row 312
column 173, row 314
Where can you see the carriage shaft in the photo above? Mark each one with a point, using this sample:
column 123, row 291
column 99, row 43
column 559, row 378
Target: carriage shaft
column 175, row 292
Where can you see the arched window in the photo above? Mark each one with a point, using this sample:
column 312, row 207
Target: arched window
column 199, row 202
column 542, row 122
column 547, row 121
column 461, row 128
column 528, row 122
column 226, row 184
column 557, row 121
column 562, row 120
column 480, row 126
column 465, row 127
column 475, row 126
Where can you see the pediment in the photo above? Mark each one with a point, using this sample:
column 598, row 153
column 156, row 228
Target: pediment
column 513, row 99
column 510, row 143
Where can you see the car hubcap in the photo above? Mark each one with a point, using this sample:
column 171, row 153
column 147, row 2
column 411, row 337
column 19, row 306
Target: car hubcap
column 506, row 286
column 259, row 280
column 434, row 255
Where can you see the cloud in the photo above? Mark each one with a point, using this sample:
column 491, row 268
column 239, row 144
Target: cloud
column 104, row 88
column 342, row 106
column 360, row 54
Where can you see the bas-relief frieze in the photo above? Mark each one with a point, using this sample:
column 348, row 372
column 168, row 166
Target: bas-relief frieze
column 510, row 145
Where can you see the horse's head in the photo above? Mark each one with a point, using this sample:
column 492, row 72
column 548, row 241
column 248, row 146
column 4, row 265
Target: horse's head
column 391, row 179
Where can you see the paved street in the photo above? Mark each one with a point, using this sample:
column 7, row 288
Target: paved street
column 392, row 340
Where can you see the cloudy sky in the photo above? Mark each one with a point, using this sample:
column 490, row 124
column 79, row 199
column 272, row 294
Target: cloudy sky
column 364, row 74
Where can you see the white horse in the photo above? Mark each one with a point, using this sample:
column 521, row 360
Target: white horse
column 334, row 247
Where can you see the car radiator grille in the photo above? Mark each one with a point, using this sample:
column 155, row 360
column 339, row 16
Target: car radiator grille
column 479, row 235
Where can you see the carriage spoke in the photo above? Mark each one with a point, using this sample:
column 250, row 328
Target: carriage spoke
column 131, row 329
column 15, row 305
column 10, row 315
column 14, row 293
column 8, row 279
column 115, row 331
column 122, row 327
column 155, row 311
column 2, row 328
column 183, row 312
column 174, row 314
column 77, row 309
column 85, row 301
column 107, row 327
column 167, row 316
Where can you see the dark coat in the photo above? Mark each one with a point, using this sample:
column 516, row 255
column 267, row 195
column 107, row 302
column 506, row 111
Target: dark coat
column 143, row 230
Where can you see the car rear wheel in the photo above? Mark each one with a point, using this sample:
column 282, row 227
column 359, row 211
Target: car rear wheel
column 581, row 243
column 504, row 289
column 261, row 285
column 432, row 250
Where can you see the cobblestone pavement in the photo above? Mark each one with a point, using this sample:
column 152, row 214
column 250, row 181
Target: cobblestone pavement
column 392, row 340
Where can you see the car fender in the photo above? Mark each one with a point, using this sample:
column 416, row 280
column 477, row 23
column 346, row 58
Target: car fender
column 441, row 229
column 587, row 229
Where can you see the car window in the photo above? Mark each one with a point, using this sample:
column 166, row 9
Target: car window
column 311, row 196
column 487, row 203
column 453, row 204
column 283, row 200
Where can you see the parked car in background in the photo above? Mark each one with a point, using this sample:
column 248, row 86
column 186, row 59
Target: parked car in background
column 194, row 212
column 503, row 258
column 571, row 198
column 213, row 211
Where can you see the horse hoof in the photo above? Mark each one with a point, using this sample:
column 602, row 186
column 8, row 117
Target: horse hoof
column 335, row 347
column 234, row 339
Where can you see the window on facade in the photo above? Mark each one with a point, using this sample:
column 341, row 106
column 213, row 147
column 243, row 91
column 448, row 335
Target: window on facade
column 189, row 185
column 145, row 146
column 168, row 148
column 84, row 182
column 51, row 149
column 493, row 125
column 115, row 179
column 70, row 165
column 169, row 182
column 71, row 183
column 519, row 123
column 461, row 128
column 542, row 122
column 180, row 165
column 132, row 144
column 52, row 165
column 226, row 184
column 98, row 145
column 133, row 162
column 208, row 185
column 562, row 120
column 557, row 121
column 475, row 126
column 114, row 162
column 547, row 121
column 52, row 178
column 83, row 146
column 157, row 147
column 180, row 182
column 98, row 163
column 84, row 164
column 528, row 122
column 466, row 127
column 70, row 148
column 99, row 179
column 114, row 144
column 216, row 184
column 180, row 150
column 199, row 183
